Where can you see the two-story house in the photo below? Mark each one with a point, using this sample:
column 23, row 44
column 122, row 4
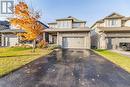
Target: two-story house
column 110, row 31
column 69, row 33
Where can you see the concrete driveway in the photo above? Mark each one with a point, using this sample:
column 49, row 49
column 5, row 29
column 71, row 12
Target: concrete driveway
column 68, row 68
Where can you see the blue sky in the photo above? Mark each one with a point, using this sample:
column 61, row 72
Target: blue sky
column 88, row 10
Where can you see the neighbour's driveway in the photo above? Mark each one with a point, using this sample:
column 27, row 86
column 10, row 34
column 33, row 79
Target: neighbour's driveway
column 68, row 68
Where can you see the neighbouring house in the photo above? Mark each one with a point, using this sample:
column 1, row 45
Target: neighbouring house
column 110, row 31
column 69, row 32
column 8, row 36
column 3, row 26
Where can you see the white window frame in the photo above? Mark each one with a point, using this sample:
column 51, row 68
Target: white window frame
column 113, row 22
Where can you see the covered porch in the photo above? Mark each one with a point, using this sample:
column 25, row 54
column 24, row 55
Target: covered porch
column 9, row 37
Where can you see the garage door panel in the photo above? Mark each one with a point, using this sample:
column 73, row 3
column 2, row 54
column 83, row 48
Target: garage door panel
column 73, row 42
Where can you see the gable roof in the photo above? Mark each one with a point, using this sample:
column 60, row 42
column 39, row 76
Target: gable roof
column 100, row 21
column 71, row 18
column 5, row 23
column 52, row 23
column 114, row 15
column 45, row 26
column 4, row 29
column 12, row 31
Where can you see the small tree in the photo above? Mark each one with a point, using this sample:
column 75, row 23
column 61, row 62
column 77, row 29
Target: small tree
column 27, row 20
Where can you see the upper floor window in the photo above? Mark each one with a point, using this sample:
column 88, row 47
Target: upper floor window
column 76, row 25
column 113, row 22
column 64, row 24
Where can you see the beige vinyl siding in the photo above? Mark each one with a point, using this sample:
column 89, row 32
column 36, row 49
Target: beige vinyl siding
column 127, row 23
column 101, row 25
column 78, row 25
column 82, row 25
column 108, row 23
column 64, row 24
column 53, row 25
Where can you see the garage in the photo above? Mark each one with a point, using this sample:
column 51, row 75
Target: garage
column 70, row 38
column 114, row 42
column 73, row 42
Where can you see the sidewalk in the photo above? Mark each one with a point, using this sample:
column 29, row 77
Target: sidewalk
column 125, row 53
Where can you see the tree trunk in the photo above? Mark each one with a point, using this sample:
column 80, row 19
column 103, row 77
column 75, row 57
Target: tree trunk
column 34, row 45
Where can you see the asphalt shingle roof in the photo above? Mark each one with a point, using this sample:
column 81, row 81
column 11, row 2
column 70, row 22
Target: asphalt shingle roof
column 71, row 18
column 114, row 29
column 12, row 31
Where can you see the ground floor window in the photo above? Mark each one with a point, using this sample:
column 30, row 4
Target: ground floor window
column 54, row 39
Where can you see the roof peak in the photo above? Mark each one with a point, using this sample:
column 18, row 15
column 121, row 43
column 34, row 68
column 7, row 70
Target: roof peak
column 114, row 15
column 70, row 17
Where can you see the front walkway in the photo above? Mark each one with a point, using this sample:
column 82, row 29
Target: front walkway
column 69, row 68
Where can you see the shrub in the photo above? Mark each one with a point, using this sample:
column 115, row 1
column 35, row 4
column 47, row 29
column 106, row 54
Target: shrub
column 22, row 46
column 42, row 44
column 53, row 46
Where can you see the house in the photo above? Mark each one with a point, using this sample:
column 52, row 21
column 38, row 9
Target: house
column 8, row 36
column 110, row 31
column 69, row 32
column 3, row 25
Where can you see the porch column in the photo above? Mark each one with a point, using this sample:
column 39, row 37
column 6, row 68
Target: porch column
column 6, row 41
column 102, row 41
column 115, row 43
column 58, row 38
column 50, row 38
column 44, row 37
column 88, row 41
column 2, row 40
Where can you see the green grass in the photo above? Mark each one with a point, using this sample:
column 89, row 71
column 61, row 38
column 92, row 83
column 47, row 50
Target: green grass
column 118, row 59
column 13, row 58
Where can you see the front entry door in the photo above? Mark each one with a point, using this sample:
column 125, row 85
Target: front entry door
column 109, row 44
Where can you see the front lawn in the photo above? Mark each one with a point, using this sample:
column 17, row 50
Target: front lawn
column 118, row 59
column 13, row 58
